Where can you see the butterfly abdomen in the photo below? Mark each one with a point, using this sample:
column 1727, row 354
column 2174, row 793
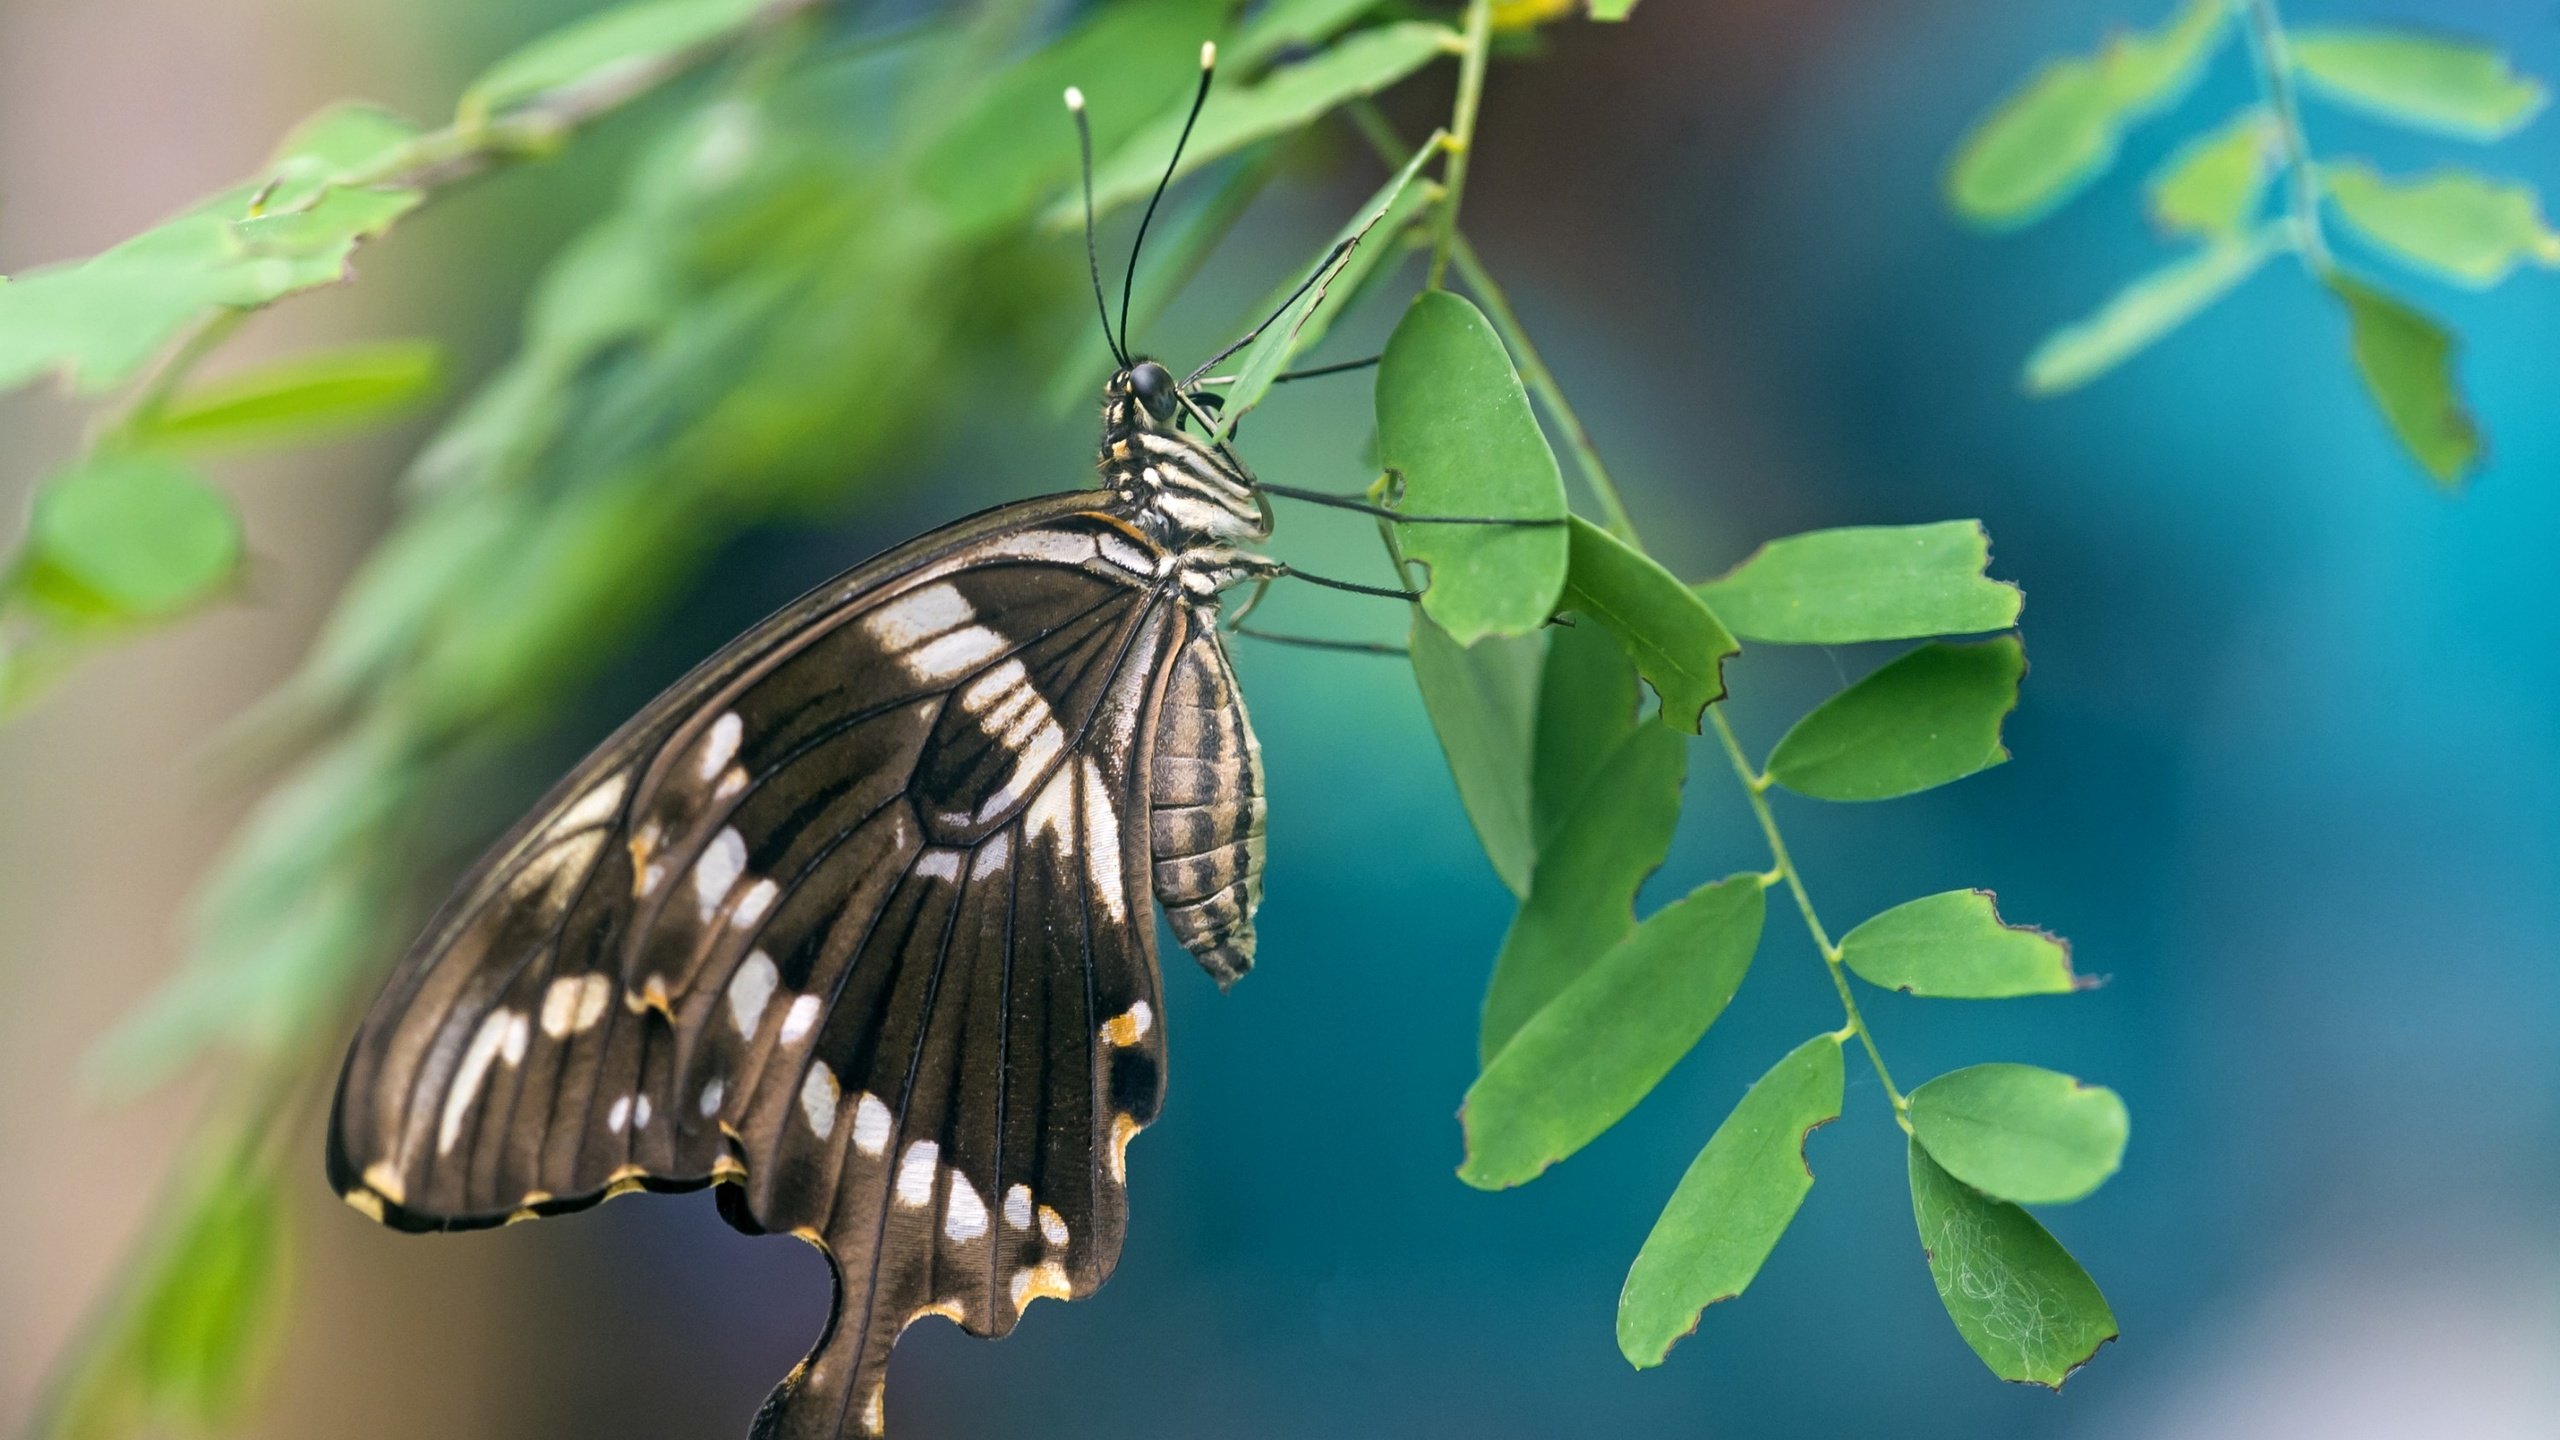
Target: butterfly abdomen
column 1206, row 827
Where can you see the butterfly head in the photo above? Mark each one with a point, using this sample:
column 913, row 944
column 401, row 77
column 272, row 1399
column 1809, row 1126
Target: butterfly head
column 1188, row 487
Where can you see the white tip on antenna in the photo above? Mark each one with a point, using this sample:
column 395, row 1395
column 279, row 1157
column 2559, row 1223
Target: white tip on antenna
column 1075, row 98
column 1208, row 54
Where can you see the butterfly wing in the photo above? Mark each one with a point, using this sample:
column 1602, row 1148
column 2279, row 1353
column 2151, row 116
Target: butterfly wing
column 853, row 920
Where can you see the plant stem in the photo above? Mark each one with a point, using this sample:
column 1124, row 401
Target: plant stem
column 2269, row 59
column 1756, row 786
column 1462, row 133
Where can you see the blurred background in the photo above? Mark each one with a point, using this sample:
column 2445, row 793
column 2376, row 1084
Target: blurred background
column 2285, row 774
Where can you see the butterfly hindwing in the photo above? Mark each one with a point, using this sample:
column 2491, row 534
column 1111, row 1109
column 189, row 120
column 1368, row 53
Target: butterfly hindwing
column 855, row 919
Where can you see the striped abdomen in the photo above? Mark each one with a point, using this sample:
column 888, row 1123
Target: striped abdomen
column 1207, row 793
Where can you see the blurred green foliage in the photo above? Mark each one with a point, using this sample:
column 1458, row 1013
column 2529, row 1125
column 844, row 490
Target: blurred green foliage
column 825, row 223
column 2057, row 133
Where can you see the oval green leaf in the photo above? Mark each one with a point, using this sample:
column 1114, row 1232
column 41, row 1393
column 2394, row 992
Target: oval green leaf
column 1582, row 894
column 2212, row 186
column 2460, row 224
column 1583, row 1061
column 1482, row 699
column 2015, row 1295
column 1954, row 946
column 1455, row 423
column 2060, row 130
column 609, row 44
column 2432, row 82
column 1867, row 582
column 1587, row 698
column 1732, row 1206
column 2406, row 360
column 2021, row 1133
column 137, row 532
column 1678, row 645
column 1362, row 63
column 2142, row 312
column 309, row 396
column 1928, row 718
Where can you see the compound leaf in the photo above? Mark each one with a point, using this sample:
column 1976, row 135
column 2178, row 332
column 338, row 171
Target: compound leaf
column 1929, row 717
column 2141, row 313
column 1953, row 945
column 1676, row 641
column 2459, row 224
column 1482, row 699
column 1732, row 1206
column 2431, row 82
column 1866, row 582
column 2021, row 1133
column 2015, row 1295
column 1585, row 1059
column 2406, row 359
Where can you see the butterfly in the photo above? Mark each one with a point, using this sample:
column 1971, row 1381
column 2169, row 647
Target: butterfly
column 853, row 921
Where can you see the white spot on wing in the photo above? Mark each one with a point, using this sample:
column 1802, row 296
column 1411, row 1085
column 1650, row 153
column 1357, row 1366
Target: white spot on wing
column 1102, row 842
column 719, row 745
column 818, row 1096
column 465, row 1089
column 912, row 619
column 722, row 862
column 1053, row 1226
column 1128, row 557
column 1052, row 813
column 640, row 1113
column 1130, row 1026
column 712, row 1095
column 1017, row 1207
column 801, row 1018
column 939, row 864
column 574, row 1003
column 619, row 1115
column 750, row 990
column 519, row 1034
column 951, row 656
column 593, row 808
column 965, row 1215
column 751, row 906
column 871, row 1124
column 915, row 1172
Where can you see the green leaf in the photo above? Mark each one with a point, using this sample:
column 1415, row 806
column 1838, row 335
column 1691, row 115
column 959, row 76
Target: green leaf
column 1587, row 699
column 1930, row 717
column 1867, row 582
column 1287, row 99
column 1482, row 699
column 1010, row 144
column 1582, row 894
column 1612, row 10
column 138, row 533
column 1454, row 423
column 1306, row 317
column 2406, row 359
column 97, row 321
column 2212, row 186
column 2015, row 1295
column 1678, row 645
column 2431, row 82
column 1584, row 1060
column 330, row 393
column 628, row 40
column 2021, row 1133
column 1737, row 1199
column 2458, row 223
column 2141, row 313
column 1953, row 945
column 1285, row 25
column 2060, row 130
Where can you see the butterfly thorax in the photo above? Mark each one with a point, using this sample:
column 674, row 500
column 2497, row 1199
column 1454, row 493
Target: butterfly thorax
column 1190, row 495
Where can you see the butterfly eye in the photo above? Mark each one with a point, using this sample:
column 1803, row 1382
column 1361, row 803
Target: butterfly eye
column 1153, row 385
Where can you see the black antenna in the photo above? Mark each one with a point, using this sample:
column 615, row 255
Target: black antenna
column 1092, row 256
column 1200, row 97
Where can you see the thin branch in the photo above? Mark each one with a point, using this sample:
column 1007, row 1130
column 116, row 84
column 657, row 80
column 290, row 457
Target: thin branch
column 2271, row 61
column 1462, row 133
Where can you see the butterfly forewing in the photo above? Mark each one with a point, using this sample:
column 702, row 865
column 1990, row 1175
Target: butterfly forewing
column 854, row 918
